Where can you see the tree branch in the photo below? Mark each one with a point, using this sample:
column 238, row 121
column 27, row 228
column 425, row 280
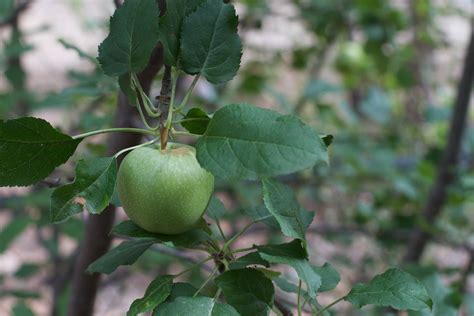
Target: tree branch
column 97, row 239
column 449, row 162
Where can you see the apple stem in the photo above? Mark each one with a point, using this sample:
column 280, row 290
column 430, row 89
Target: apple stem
column 164, row 137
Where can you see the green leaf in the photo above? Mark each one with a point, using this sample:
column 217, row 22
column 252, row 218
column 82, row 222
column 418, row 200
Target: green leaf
column 6, row 9
column 286, row 286
column 327, row 139
column 261, row 214
column 282, row 204
column 30, row 149
column 294, row 255
column 19, row 293
column 124, row 254
column 181, row 289
column 186, row 239
column 215, row 50
column 80, row 52
column 156, row 293
column 125, row 84
column 171, row 24
column 246, row 142
column 133, row 35
column 199, row 306
column 329, row 277
column 26, row 270
column 21, row 309
column 439, row 293
column 216, row 208
column 248, row 290
column 196, row 121
column 252, row 258
column 394, row 288
column 12, row 231
column 92, row 189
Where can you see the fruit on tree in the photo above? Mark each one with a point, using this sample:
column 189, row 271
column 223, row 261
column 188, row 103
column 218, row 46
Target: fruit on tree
column 164, row 191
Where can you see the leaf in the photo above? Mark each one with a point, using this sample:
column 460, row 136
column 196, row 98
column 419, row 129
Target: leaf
column 394, row 288
column 12, row 231
column 21, row 309
column 199, row 306
column 125, row 84
column 124, row 254
column 26, row 270
column 248, row 290
column 294, row 255
column 171, row 24
column 187, row 239
column 246, row 142
column 215, row 50
column 216, row 208
column 327, row 139
column 134, row 32
column 439, row 293
column 19, row 293
column 92, row 189
column 181, row 289
column 252, row 258
column 282, row 204
column 80, row 52
column 30, row 149
column 156, row 293
column 329, row 277
column 286, row 286
column 196, row 121
column 261, row 214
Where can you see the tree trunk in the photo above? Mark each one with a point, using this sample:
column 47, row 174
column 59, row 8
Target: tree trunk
column 97, row 239
column 449, row 161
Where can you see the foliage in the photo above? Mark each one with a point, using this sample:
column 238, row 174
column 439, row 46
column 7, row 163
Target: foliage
column 246, row 143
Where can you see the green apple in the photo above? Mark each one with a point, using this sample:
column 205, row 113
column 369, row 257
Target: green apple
column 164, row 191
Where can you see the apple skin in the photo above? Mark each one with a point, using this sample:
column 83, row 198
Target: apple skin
column 164, row 191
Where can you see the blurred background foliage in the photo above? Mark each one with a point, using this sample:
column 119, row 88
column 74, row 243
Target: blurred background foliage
column 380, row 76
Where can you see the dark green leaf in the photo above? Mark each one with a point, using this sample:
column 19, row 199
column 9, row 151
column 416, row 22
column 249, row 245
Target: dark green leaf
column 216, row 208
column 92, row 189
column 125, row 84
column 327, row 139
column 261, row 214
column 26, row 270
column 181, row 289
column 439, row 294
column 12, row 231
column 6, row 8
column 394, row 288
column 282, row 204
column 79, row 51
column 294, row 255
column 156, row 293
column 248, row 290
column 21, row 309
column 215, row 50
column 133, row 35
column 19, row 293
column 329, row 277
column 286, row 286
column 246, row 142
column 30, row 149
column 196, row 121
column 171, row 24
column 252, row 258
column 124, row 254
column 199, row 306
column 186, row 239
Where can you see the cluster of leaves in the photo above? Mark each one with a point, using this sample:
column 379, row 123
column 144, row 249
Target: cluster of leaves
column 237, row 142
